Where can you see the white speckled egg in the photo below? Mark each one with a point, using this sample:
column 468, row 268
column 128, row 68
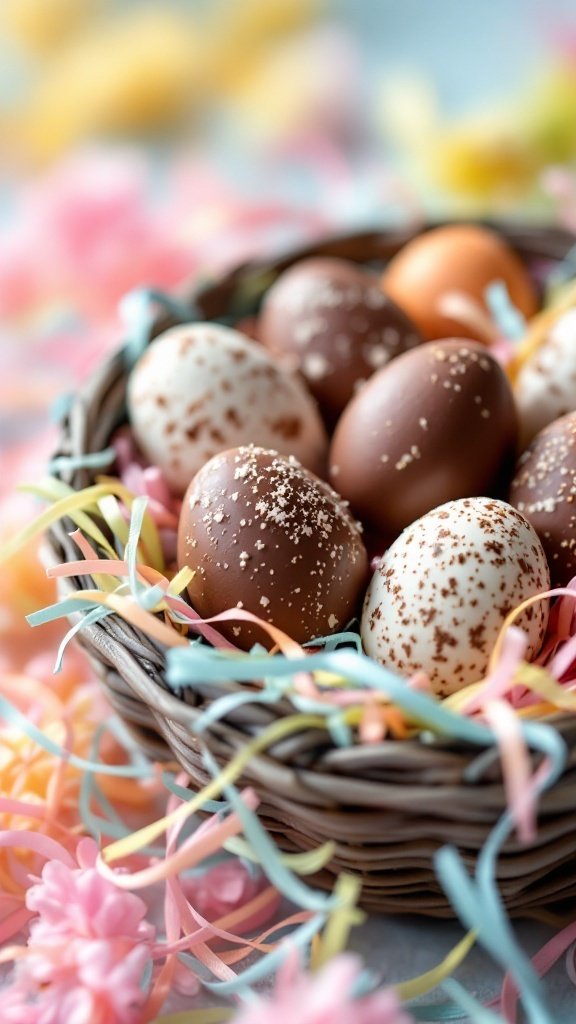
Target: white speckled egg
column 545, row 388
column 443, row 589
column 202, row 388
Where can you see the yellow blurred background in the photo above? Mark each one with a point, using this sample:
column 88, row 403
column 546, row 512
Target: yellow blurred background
column 146, row 141
column 471, row 102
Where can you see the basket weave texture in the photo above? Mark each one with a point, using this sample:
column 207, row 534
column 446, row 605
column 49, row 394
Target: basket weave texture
column 389, row 807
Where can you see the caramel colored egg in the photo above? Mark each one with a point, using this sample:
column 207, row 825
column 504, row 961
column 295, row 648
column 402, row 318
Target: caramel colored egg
column 265, row 535
column 436, row 424
column 458, row 258
column 330, row 320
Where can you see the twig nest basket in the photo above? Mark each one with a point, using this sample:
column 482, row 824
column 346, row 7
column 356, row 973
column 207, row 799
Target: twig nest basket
column 389, row 806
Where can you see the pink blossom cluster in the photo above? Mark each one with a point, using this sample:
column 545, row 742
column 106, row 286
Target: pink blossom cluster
column 324, row 998
column 88, row 950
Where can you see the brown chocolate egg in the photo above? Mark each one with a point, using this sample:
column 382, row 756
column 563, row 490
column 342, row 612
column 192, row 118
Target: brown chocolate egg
column 457, row 258
column 436, row 424
column 329, row 319
column 264, row 534
column 544, row 490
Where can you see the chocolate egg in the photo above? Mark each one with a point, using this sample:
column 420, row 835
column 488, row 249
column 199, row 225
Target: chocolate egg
column 457, row 258
column 544, row 490
column 201, row 388
column 329, row 319
column 441, row 593
column 437, row 423
column 545, row 387
column 263, row 534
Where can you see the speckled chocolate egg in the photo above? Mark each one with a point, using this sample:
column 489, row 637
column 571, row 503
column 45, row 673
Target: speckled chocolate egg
column 263, row 534
column 442, row 591
column 455, row 258
column 201, row 388
column 544, row 490
column 437, row 423
column 545, row 387
column 329, row 319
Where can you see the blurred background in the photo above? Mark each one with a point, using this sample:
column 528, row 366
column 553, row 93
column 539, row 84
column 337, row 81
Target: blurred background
column 144, row 142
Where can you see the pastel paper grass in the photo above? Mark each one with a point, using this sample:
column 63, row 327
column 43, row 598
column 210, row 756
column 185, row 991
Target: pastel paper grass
column 331, row 686
column 372, row 699
column 41, row 783
column 80, row 1001
column 89, row 931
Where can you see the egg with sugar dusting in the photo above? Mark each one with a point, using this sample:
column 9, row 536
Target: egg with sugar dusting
column 263, row 534
column 544, row 490
column 202, row 388
column 436, row 424
column 442, row 591
column 329, row 319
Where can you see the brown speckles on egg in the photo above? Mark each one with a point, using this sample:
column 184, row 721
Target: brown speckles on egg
column 265, row 531
column 543, row 490
column 450, row 608
column 210, row 388
column 329, row 319
column 391, row 469
column 287, row 427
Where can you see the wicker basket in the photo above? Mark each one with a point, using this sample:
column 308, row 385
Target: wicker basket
column 388, row 807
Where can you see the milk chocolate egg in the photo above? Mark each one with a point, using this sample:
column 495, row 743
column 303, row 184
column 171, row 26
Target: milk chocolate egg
column 544, row 490
column 545, row 387
column 329, row 319
column 265, row 535
column 201, row 388
column 457, row 258
column 441, row 593
column 436, row 424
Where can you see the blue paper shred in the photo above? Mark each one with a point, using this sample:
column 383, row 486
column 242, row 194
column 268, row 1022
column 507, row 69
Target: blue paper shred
column 300, row 938
column 508, row 317
column 136, row 310
column 473, row 1010
column 184, row 665
column 94, row 615
column 10, row 714
column 266, row 852
column 91, row 460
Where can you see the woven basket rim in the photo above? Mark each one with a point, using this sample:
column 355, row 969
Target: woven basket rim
column 554, row 242
column 307, row 784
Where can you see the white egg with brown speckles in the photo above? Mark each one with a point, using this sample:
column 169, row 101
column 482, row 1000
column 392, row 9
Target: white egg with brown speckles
column 545, row 388
column 202, row 388
column 442, row 591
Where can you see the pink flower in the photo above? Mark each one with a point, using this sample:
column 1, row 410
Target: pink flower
column 224, row 888
column 106, row 234
column 324, row 998
column 81, row 904
column 87, row 951
column 15, row 1008
column 103, row 987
